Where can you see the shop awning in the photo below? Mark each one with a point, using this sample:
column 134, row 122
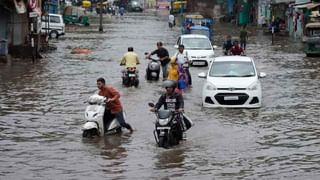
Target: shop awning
column 307, row 6
column 282, row 1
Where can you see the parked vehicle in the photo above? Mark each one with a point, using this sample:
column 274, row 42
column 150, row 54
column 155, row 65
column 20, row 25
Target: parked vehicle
column 75, row 15
column 199, row 48
column 130, row 77
column 233, row 82
column 178, row 6
column 312, row 39
column 153, row 69
column 202, row 30
column 95, row 125
column 135, row 6
column 53, row 24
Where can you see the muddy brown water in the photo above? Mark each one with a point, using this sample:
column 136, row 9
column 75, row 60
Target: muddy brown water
column 42, row 111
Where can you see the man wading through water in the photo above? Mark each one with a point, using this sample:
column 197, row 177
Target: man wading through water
column 113, row 104
column 163, row 55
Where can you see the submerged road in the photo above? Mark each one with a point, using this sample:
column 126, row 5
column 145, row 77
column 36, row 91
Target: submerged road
column 42, row 111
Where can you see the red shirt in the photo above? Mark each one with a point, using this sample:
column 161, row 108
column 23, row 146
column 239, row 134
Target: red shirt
column 236, row 50
column 111, row 93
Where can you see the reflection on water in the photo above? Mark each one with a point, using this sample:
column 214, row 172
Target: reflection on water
column 170, row 159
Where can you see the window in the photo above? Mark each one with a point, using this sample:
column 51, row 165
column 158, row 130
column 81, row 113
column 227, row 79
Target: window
column 54, row 19
column 44, row 18
column 232, row 69
column 197, row 43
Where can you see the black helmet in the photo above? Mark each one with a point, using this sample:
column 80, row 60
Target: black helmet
column 169, row 84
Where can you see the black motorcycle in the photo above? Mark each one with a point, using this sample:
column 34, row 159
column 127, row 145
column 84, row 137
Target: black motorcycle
column 168, row 127
column 130, row 77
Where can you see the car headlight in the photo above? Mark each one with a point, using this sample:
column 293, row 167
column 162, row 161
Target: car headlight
column 253, row 87
column 210, row 87
column 163, row 122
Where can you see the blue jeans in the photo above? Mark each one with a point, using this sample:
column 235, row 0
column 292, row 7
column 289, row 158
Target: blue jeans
column 243, row 44
column 121, row 120
column 164, row 70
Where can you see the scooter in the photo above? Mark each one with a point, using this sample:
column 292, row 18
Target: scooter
column 153, row 69
column 169, row 127
column 130, row 77
column 95, row 125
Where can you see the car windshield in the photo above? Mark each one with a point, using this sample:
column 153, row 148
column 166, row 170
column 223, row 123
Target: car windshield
column 232, row 69
column 196, row 43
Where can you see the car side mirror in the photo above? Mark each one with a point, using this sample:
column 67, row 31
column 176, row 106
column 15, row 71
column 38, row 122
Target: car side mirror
column 215, row 47
column 202, row 75
column 176, row 46
column 262, row 75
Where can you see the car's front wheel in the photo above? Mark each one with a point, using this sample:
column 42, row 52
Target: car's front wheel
column 54, row 34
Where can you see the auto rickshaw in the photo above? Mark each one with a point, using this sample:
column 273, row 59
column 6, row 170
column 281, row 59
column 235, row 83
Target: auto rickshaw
column 178, row 6
column 197, row 24
column 312, row 39
column 75, row 15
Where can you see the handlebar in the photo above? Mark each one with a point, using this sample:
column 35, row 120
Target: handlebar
column 152, row 59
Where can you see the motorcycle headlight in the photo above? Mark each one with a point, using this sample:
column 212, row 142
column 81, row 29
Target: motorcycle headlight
column 163, row 122
column 210, row 87
column 253, row 87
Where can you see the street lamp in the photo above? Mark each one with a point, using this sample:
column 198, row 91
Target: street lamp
column 100, row 11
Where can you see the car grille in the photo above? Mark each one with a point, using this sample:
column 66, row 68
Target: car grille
column 242, row 98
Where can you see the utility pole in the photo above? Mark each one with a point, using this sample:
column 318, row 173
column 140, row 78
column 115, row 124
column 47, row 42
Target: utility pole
column 100, row 11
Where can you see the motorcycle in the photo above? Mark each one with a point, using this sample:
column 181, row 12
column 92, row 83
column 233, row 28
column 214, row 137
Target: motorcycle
column 169, row 127
column 153, row 69
column 95, row 125
column 130, row 77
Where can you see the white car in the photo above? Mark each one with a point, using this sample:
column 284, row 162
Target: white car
column 199, row 48
column 232, row 81
column 53, row 24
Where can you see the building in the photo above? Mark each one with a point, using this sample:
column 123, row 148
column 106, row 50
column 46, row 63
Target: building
column 19, row 26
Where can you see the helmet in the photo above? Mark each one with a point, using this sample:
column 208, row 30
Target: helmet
column 169, row 84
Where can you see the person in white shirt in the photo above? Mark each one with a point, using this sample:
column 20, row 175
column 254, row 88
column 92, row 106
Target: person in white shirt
column 171, row 21
column 182, row 59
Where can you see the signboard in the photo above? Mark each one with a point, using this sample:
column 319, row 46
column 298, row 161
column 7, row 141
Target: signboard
column 33, row 14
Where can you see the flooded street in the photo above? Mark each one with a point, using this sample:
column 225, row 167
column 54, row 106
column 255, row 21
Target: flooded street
column 42, row 111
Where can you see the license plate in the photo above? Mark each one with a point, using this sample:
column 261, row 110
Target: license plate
column 231, row 98
column 132, row 75
column 198, row 63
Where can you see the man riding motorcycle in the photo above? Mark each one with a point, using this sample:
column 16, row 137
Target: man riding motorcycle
column 171, row 100
column 236, row 49
column 130, row 60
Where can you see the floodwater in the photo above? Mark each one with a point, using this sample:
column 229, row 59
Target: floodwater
column 42, row 111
